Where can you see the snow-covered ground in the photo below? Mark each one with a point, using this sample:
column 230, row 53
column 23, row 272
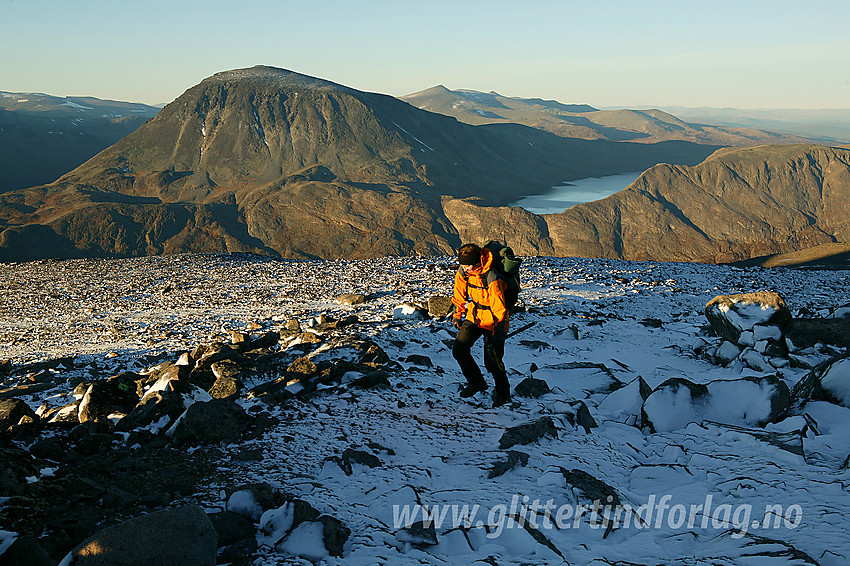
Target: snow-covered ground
column 705, row 492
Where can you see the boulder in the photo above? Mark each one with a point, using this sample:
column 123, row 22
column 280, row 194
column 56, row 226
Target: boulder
column 627, row 401
column 513, row 460
column 15, row 466
column 532, row 387
column 183, row 535
column 750, row 401
column 419, row 360
column 528, row 432
column 215, row 421
column 409, row 311
column 828, row 381
column 158, row 407
column 378, row 379
column 26, row 551
column 418, row 534
column 14, row 412
column 350, row 299
column 806, row 332
column 439, row 306
column 115, row 395
column 730, row 315
column 351, row 456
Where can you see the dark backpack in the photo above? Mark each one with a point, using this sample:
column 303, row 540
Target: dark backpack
column 505, row 266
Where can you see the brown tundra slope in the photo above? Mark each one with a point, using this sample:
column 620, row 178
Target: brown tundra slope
column 739, row 203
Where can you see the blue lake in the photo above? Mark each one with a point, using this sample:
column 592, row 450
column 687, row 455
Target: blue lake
column 576, row 192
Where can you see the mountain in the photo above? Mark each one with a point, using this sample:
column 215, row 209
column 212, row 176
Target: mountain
column 43, row 136
column 827, row 126
column 585, row 122
column 269, row 161
column 739, row 203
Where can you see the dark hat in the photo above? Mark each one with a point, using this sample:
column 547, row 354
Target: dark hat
column 469, row 254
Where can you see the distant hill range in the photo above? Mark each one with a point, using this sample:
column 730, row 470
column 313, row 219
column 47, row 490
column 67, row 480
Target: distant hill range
column 827, row 126
column 586, row 122
column 42, row 136
column 269, row 161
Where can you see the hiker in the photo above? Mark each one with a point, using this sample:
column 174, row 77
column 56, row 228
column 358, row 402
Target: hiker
column 480, row 310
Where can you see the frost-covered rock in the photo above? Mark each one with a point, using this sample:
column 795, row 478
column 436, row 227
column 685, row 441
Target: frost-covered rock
column 731, row 315
column 183, row 535
column 829, row 381
column 627, row 401
column 116, row 394
column 231, row 527
column 726, row 352
column 215, row 421
column 417, row 534
column 532, row 387
column 528, row 432
column 750, row 401
column 153, row 408
column 409, row 311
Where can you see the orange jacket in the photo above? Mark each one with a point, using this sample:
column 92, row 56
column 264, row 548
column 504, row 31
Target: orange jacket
column 484, row 304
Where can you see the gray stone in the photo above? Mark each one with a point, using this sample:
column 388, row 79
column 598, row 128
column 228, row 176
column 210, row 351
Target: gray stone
column 350, row 299
column 26, row 551
column 350, row 456
column 514, row 459
column 532, row 387
column 183, row 536
column 216, row 421
column 115, row 395
column 528, row 433
column 418, row 534
column 231, row 527
column 419, row 360
column 14, row 412
column 439, row 306
column 152, row 408
column 806, row 332
column 828, row 381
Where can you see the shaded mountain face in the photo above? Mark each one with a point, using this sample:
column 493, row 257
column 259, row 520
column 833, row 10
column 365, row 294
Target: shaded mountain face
column 43, row 136
column 739, row 203
column 269, row 161
column 585, row 122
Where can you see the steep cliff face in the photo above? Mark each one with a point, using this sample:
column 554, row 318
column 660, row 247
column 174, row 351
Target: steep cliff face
column 737, row 204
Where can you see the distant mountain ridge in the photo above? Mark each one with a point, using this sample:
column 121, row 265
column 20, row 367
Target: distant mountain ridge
column 584, row 121
column 270, row 161
column 44, row 136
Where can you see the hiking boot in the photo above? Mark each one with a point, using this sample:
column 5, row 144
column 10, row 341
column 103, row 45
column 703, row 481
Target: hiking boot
column 471, row 390
column 499, row 400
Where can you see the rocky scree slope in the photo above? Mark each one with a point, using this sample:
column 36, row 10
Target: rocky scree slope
column 298, row 401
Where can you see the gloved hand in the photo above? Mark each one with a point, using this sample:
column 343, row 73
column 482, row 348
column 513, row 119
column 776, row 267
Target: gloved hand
column 457, row 322
column 500, row 331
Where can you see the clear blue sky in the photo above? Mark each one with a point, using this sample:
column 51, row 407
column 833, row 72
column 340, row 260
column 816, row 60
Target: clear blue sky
column 740, row 53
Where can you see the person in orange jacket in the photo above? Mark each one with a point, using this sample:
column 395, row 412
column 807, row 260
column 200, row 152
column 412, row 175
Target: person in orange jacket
column 480, row 310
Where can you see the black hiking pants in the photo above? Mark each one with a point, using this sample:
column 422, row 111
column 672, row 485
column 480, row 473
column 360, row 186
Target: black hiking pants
column 494, row 351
